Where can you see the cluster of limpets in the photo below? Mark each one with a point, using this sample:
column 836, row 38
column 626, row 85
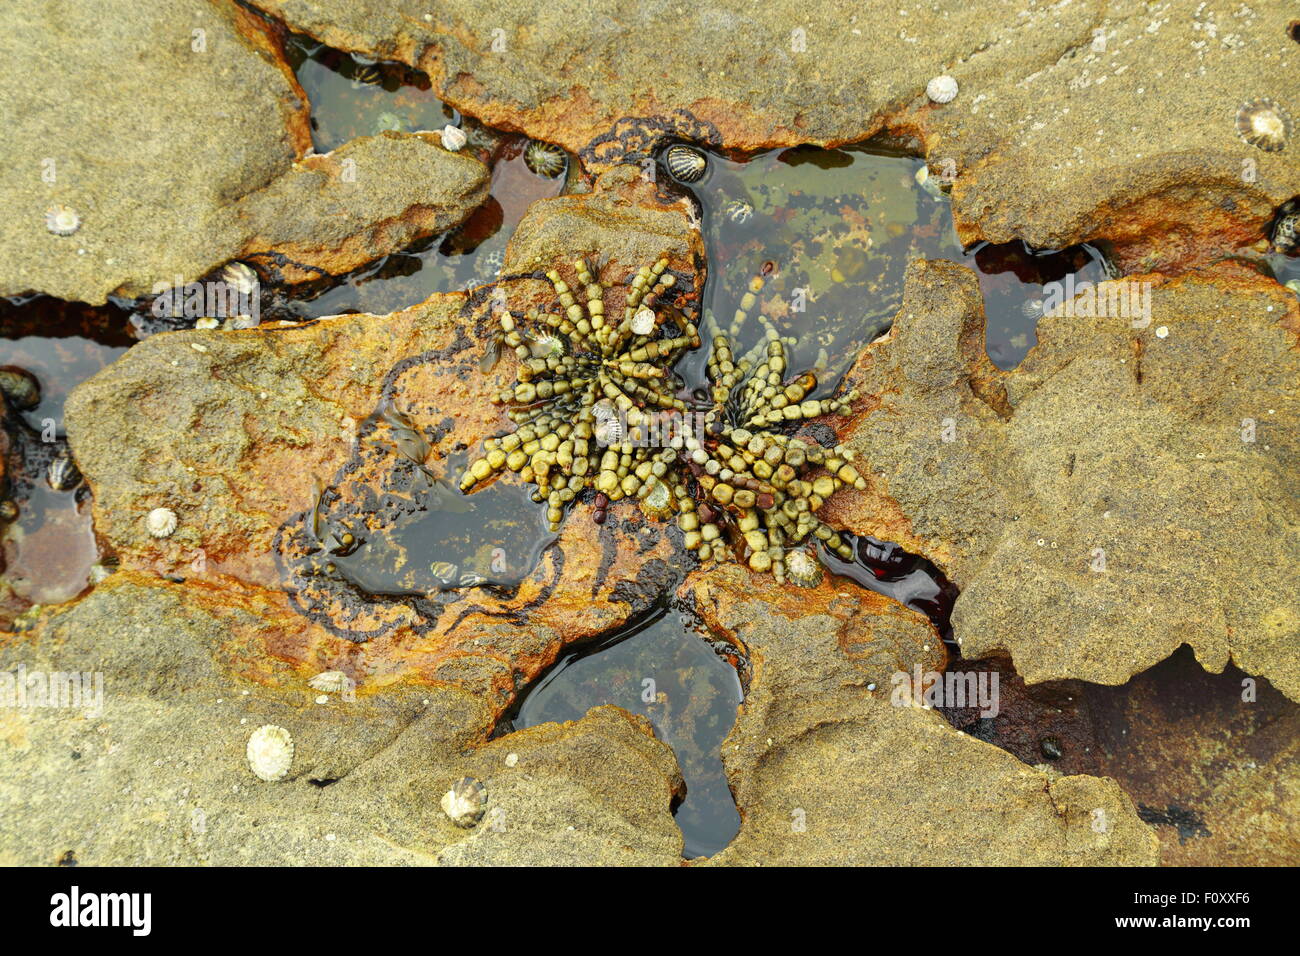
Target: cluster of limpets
column 594, row 405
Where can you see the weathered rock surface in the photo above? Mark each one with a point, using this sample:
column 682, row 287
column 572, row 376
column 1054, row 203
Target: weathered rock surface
column 232, row 431
column 160, row 775
column 178, row 134
column 1073, row 121
column 1122, row 492
column 827, row 770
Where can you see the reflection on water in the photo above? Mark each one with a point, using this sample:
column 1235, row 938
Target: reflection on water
column 351, row 96
column 354, row 96
column 427, row 537
column 911, row 580
column 671, row 672
column 49, row 546
column 841, row 226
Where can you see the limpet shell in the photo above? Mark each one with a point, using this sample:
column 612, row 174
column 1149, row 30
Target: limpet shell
column 803, row 569
column 643, row 323
column 941, row 89
column 331, row 682
column 270, row 753
column 465, row 802
column 686, row 165
column 545, row 159
column 1264, row 123
column 241, row 277
column 453, row 138
column 161, row 522
column 62, row 220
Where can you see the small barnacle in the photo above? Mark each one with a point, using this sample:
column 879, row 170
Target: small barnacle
column 453, row 138
column 465, row 802
column 686, row 164
column 62, row 220
column 1264, row 123
column 270, row 753
column 161, row 522
column 207, row 322
column 545, row 159
column 941, row 89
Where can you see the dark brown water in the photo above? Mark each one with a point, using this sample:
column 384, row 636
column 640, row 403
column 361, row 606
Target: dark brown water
column 673, row 673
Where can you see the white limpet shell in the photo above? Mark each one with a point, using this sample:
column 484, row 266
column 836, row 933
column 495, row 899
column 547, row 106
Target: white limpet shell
column 464, row 802
column 942, row 89
column 62, row 221
column 453, row 138
column 643, row 323
column 161, row 522
column 270, row 753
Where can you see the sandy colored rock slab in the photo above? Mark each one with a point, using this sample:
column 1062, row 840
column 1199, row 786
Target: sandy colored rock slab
column 157, row 774
column 1073, row 121
column 236, row 433
column 177, row 133
column 828, row 770
column 1124, row 491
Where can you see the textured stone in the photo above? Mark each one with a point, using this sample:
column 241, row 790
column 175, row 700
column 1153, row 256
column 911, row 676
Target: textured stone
column 180, row 136
column 1074, row 121
column 1108, row 438
column 827, row 770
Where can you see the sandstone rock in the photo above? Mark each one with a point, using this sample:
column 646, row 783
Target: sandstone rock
column 159, row 776
column 827, row 771
column 233, row 431
column 1124, row 491
column 1074, row 122
column 175, row 133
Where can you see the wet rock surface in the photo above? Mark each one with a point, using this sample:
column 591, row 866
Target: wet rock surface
column 192, row 152
column 1208, row 759
column 237, row 432
column 1127, row 490
column 828, row 769
column 1072, row 121
column 162, row 776
column 1124, row 491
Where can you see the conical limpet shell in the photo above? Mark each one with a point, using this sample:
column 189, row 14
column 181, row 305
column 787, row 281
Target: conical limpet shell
column 161, row 522
column 270, row 753
column 941, row 89
column 685, row 164
column 465, row 802
column 1264, row 123
column 803, row 569
column 545, row 159
column 62, row 220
